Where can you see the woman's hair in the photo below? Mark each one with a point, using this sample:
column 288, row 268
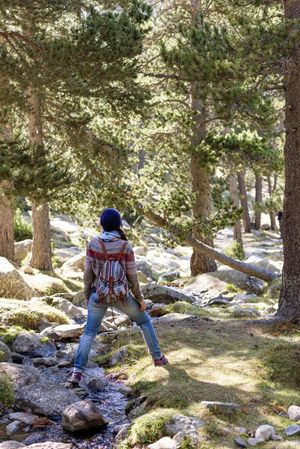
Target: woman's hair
column 122, row 234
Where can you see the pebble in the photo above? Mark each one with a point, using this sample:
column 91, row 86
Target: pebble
column 265, row 432
column 13, row 427
column 294, row 413
column 293, row 429
column 240, row 442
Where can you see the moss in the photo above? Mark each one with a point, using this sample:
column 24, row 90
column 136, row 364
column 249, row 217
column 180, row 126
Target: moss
column 186, row 308
column 234, row 289
column 150, row 427
column 282, row 363
column 7, row 395
column 8, row 334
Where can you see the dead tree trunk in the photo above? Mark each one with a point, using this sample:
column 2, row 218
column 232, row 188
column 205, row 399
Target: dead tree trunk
column 41, row 247
column 289, row 302
column 200, row 263
column 234, row 195
column 244, row 201
column 258, row 199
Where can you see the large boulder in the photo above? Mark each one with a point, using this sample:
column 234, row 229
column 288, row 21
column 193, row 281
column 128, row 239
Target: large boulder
column 207, row 285
column 239, row 280
column 35, row 392
column 144, row 266
column 68, row 330
column 12, row 282
column 26, row 342
column 264, row 263
column 22, row 250
column 82, row 415
column 75, row 263
column 162, row 294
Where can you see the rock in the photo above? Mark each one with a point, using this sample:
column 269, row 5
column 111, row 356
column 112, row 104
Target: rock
column 140, row 250
column 78, row 299
column 75, row 263
column 266, row 432
column 119, row 356
column 11, row 445
column 228, row 408
column 244, row 312
column 12, row 283
column 207, row 284
column 28, row 270
column 169, row 276
column 45, row 361
column 240, row 280
column 294, row 413
column 35, row 393
column 34, row 438
column 185, row 425
column 50, row 445
column 262, row 263
column 122, row 432
column 164, row 443
column 13, row 427
column 159, row 293
column 244, row 298
column 26, row 342
column 255, row 441
column 158, row 310
column 22, row 249
column 240, row 442
column 82, row 415
column 293, row 429
column 72, row 311
column 17, row 358
column 218, row 302
column 68, row 330
column 176, row 317
column 274, row 288
column 95, row 385
column 5, row 353
column 142, row 277
column 25, row 418
column 143, row 265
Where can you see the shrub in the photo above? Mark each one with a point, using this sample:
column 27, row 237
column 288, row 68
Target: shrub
column 7, row 395
column 235, row 250
column 22, row 229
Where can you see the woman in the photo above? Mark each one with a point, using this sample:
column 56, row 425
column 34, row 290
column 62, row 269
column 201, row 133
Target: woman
column 112, row 252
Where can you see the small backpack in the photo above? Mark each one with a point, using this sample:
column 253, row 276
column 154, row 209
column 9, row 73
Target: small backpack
column 112, row 283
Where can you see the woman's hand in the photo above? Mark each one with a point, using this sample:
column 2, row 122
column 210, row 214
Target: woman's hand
column 142, row 306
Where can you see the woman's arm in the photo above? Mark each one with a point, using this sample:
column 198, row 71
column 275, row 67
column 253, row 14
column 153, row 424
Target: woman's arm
column 88, row 276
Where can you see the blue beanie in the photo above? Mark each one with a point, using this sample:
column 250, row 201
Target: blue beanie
column 110, row 219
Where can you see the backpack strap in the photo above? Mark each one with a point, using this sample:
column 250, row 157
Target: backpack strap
column 103, row 249
column 122, row 251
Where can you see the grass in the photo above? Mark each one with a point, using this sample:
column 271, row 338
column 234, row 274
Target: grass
column 29, row 315
column 22, row 229
column 7, row 396
column 8, row 334
column 224, row 361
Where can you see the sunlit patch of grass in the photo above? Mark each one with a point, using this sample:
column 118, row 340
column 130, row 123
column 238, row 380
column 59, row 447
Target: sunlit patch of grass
column 7, row 395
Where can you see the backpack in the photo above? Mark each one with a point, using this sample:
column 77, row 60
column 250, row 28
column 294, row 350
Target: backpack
column 112, row 283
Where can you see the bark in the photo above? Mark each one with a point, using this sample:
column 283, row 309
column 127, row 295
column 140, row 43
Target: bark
column 202, row 248
column 200, row 262
column 6, row 220
column 234, row 195
column 244, row 201
column 272, row 214
column 258, row 199
column 41, row 247
column 289, row 302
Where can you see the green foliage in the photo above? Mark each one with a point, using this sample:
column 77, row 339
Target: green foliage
column 8, row 334
column 235, row 250
column 7, row 395
column 22, row 229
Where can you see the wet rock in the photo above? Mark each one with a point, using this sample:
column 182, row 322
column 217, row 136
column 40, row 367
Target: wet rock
column 75, row 263
column 187, row 426
column 162, row 294
column 13, row 427
column 95, row 385
column 45, row 361
column 293, row 429
column 25, row 418
column 26, row 342
column 82, row 415
column 5, row 353
column 164, row 443
column 69, row 330
column 119, row 356
column 11, row 445
column 228, row 408
column 240, row 442
column 22, row 249
column 294, row 413
column 266, row 432
column 12, row 282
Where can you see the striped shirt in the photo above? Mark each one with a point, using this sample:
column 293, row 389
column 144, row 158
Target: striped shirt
column 95, row 259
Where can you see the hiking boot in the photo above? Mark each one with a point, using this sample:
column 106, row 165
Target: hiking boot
column 74, row 380
column 161, row 362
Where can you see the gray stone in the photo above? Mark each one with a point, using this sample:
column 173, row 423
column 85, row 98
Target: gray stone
column 158, row 310
column 119, row 356
column 22, row 249
column 274, row 288
column 45, row 361
column 265, row 431
column 240, row 280
column 144, row 266
column 228, row 408
column 26, row 342
column 96, row 384
column 82, row 415
column 13, row 427
column 142, row 277
column 69, row 330
column 218, row 302
column 25, row 418
column 12, row 282
column 169, row 276
column 294, row 412
column 244, row 312
column 75, row 263
column 163, row 294
column 11, row 445
column 240, row 442
column 207, row 284
column 186, row 426
column 72, row 311
column 34, row 438
column 50, row 445
column 164, row 443
column 293, row 429
column 255, row 441
column 140, row 250
column 5, row 353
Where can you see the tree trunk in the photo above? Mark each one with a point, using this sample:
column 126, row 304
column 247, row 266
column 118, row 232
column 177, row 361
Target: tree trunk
column 234, row 195
column 258, row 199
column 272, row 213
column 6, row 220
column 41, row 247
column 289, row 302
column 244, row 201
column 200, row 263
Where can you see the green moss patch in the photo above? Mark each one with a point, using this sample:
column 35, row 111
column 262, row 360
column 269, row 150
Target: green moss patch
column 7, row 395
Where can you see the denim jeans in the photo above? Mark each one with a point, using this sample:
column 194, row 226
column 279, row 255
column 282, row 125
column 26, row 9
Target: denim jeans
column 96, row 312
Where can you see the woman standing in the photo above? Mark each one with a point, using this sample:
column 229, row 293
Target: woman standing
column 110, row 279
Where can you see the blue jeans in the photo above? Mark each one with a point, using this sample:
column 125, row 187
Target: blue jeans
column 96, row 312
